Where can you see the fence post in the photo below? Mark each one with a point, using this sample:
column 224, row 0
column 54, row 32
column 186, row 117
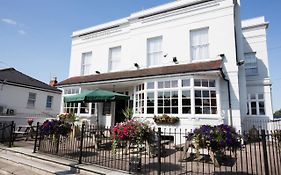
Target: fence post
column 159, row 151
column 11, row 135
column 81, row 143
column 36, row 137
column 265, row 159
column 58, row 144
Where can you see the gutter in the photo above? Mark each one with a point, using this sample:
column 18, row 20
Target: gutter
column 229, row 97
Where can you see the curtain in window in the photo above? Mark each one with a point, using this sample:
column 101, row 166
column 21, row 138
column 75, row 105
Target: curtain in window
column 199, row 44
column 154, row 51
column 86, row 63
column 115, row 58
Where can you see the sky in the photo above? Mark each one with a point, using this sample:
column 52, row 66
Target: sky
column 35, row 35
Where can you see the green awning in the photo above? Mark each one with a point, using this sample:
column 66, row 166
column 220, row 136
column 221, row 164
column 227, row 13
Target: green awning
column 97, row 95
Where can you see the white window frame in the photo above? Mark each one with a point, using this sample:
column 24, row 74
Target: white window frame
column 255, row 98
column 49, row 102
column 115, row 60
column 155, row 56
column 71, row 91
column 86, row 61
column 199, row 49
column 251, row 64
column 31, row 100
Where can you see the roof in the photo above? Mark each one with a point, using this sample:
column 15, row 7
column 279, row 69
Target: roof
column 13, row 77
column 147, row 72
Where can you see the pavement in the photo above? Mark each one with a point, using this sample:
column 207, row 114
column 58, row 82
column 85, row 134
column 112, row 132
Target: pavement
column 22, row 161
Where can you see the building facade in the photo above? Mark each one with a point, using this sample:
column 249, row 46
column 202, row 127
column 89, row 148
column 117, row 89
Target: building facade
column 23, row 97
column 193, row 59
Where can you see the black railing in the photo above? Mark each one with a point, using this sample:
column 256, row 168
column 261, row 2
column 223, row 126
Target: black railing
column 6, row 132
column 169, row 153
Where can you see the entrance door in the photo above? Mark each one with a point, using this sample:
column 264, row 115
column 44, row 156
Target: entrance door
column 120, row 105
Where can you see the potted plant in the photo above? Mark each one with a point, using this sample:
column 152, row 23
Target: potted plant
column 217, row 139
column 131, row 131
column 128, row 113
column 165, row 119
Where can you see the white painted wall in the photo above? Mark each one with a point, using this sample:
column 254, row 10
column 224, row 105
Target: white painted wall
column 14, row 97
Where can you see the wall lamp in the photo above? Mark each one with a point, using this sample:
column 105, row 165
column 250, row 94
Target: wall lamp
column 222, row 55
column 137, row 65
column 175, row 60
column 165, row 55
column 240, row 63
column 97, row 72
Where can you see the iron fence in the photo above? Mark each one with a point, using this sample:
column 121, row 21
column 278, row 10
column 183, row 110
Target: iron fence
column 169, row 153
column 6, row 132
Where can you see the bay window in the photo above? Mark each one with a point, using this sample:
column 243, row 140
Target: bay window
column 179, row 96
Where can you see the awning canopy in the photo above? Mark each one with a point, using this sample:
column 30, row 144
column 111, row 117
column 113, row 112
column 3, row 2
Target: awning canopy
column 97, row 95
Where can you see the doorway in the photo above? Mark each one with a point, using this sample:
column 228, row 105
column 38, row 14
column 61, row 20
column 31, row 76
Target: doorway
column 120, row 106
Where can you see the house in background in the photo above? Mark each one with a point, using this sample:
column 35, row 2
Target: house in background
column 194, row 59
column 23, row 97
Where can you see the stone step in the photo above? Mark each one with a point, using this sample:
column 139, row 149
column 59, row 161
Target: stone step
column 45, row 164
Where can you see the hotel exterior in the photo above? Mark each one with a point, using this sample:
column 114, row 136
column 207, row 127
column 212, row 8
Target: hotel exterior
column 194, row 59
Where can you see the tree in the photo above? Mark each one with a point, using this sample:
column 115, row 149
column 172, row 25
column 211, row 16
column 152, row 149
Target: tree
column 277, row 113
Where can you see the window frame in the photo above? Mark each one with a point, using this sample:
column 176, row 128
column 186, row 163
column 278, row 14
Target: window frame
column 158, row 54
column 49, row 104
column 31, row 101
column 254, row 98
column 251, row 65
column 115, row 61
column 86, row 65
column 199, row 46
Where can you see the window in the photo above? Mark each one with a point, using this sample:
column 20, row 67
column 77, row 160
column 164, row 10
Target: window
column 251, row 67
column 167, row 102
column 205, row 96
column 86, row 63
column 256, row 104
column 106, row 108
column 199, row 43
column 71, row 91
column 115, row 58
column 71, row 107
column 154, row 51
column 139, row 96
column 49, row 102
column 31, row 100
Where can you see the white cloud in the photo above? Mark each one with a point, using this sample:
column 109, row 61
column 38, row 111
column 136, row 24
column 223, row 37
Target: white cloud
column 9, row 21
column 22, row 32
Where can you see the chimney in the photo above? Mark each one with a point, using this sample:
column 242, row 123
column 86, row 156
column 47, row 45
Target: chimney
column 53, row 82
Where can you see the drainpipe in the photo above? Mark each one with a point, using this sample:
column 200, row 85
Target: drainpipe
column 229, row 97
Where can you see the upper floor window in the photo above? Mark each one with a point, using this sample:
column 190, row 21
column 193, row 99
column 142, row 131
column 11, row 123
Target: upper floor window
column 256, row 104
column 251, row 67
column 31, row 100
column 49, row 102
column 115, row 58
column 199, row 42
column 86, row 63
column 154, row 51
column 71, row 91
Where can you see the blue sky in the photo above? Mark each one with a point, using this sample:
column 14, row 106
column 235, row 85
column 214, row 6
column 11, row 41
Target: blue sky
column 35, row 35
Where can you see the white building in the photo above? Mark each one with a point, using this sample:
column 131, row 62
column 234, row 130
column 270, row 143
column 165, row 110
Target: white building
column 23, row 97
column 184, row 59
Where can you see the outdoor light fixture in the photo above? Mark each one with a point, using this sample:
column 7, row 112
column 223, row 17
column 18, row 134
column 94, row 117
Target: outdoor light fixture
column 97, row 72
column 175, row 60
column 165, row 55
column 240, row 63
column 137, row 65
column 222, row 55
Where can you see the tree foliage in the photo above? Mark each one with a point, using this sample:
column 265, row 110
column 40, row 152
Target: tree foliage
column 277, row 113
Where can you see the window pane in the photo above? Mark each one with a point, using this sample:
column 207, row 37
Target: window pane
column 212, row 83
column 150, row 85
column 198, row 110
column 261, row 104
column 260, row 96
column 167, row 110
column 150, row 110
column 206, row 110
column 174, row 110
column 197, row 83
column 197, row 94
column 213, row 93
column 186, row 83
column 253, row 104
column 206, row 94
column 186, row 110
column 254, row 111
column 175, row 83
column 186, row 102
column 205, row 83
column 167, row 84
column 262, row 111
column 198, row 102
column 185, row 94
column 160, row 110
column 214, row 110
column 160, row 85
